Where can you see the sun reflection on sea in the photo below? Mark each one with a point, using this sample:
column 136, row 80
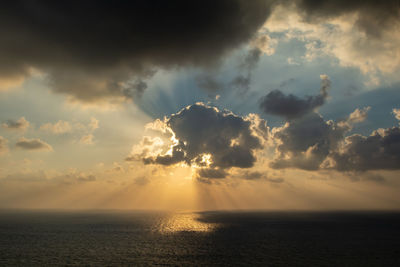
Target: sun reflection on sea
column 184, row 222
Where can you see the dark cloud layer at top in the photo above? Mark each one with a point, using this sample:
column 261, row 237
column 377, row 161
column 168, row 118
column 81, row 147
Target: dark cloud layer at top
column 374, row 17
column 92, row 48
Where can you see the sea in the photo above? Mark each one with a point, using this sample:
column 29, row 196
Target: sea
column 214, row 238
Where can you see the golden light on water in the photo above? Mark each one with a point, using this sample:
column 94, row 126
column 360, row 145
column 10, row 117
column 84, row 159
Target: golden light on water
column 185, row 222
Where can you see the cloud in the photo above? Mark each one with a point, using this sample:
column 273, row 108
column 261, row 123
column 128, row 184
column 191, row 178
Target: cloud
column 93, row 124
column 117, row 168
column 358, row 115
column 141, row 181
column 291, row 106
column 21, row 124
column 11, row 82
column 101, row 50
column 241, row 82
column 251, row 175
column 25, row 177
column 209, row 83
column 33, row 144
column 264, row 44
column 373, row 17
column 64, row 127
column 379, row 151
column 361, row 34
column 211, row 173
column 98, row 49
column 204, row 175
column 251, row 59
column 3, row 145
column 277, row 180
column 373, row 177
column 86, row 178
column 311, row 143
column 59, row 127
column 306, row 142
column 42, row 177
column 366, row 176
column 205, row 137
column 87, row 139
column 135, row 89
column 72, row 177
column 396, row 113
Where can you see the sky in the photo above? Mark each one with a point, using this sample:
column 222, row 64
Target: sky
column 166, row 105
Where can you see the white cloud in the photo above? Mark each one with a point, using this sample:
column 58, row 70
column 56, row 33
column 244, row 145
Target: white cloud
column 338, row 37
column 264, row 43
column 396, row 113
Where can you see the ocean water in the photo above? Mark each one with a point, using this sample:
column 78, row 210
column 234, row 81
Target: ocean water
column 111, row 238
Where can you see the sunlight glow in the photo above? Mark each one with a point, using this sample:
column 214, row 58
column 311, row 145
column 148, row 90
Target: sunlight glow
column 185, row 222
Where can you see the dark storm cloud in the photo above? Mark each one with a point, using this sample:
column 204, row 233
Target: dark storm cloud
column 311, row 143
column 379, row 151
column 291, row 106
column 32, row 144
column 374, row 17
column 205, row 132
column 91, row 49
column 306, row 142
column 178, row 155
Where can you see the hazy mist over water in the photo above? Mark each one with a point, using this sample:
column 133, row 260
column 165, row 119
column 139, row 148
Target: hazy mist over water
column 98, row 238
